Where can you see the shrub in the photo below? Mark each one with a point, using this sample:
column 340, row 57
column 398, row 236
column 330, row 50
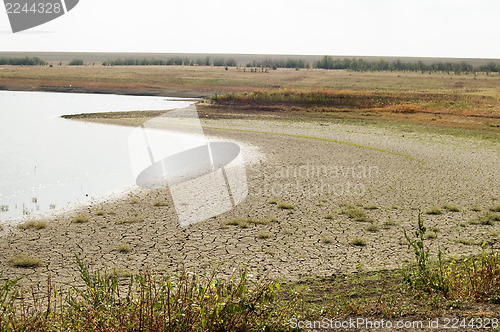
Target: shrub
column 80, row 219
column 355, row 213
column 21, row 260
column 434, row 211
column 286, row 206
column 451, row 208
column 358, row 242
column 33, row 225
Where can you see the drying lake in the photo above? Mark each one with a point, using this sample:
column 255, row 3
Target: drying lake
column 47, row 162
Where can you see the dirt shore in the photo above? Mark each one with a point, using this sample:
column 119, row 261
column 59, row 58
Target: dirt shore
column 326, row 198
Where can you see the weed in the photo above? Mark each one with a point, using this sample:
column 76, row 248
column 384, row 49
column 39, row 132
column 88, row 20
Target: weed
column 245, row 222
column 464, row 241
column 33, row 225
column 371, row 207
column 356, row 213
column 424, row 277
column 24, row 261
column 134, row 200
column 326, row 240
column 358, row 242
column 389, row 223
column 372, row 228
column 431, row 235
column 329, row 216
column 100, row 213
column 486, row 218
column 434, row 211
column 123, row 248
column 129, row 220
column 81, row 219
column 495, row 208
column 264, row 235
column 451, row 208
column 286, row 206
column 160, row 203
column 273, row 201
column 475, row 208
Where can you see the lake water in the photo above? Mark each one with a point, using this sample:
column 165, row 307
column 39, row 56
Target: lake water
column 47, row 162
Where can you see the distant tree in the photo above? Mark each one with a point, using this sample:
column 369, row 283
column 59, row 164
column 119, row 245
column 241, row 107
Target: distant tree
column 76, row 62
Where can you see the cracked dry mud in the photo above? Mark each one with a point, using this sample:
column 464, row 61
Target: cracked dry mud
column 312, row 238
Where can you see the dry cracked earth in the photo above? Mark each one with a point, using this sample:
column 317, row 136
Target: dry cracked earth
column 325, row 198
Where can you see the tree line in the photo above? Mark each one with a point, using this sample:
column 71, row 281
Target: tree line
column 174, row 61
column 326, row 62
column 27, row 61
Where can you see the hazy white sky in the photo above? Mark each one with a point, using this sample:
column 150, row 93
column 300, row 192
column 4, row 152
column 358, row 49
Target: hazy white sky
column 434, row 28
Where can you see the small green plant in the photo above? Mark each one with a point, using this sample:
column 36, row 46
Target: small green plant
column 329, row 216
column 486, row 218
column 134, row 200
column 246, row 222
column 23, row 261
column 123, row 248
column 80, row 219
column 451, row 208
column 475, row 208
column 100, row 213
column 359, row 242
column 286, row 206
column 372, row 228
column 495, row 208
column 33, row 225
column 389, row 223
column 264, row 235
column 160, row 203
column 356, row 213
column 129, row 220
column 326, row 240
column 464, row 241
column 371, row 207
column 424, row 277
column 273, row 201
column 434, row 211
column 431, row 235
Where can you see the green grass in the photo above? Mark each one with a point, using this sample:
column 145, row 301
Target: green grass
column 33, row 225
column 486, row 218
column 359, row 242
column 81, row 219
column 451, row 208
column 475, row 208
column 286, row 206
column 371, row 207
column 465, row 241
column 246, row 222
column 100, row 213
column 160, row 203
column 434, row 211
column 129, row 220
column 123, row 248
column 326, row 240
column 355, row 213
column 495, row 208
column 329, row 216
column 264, row 235
column 372, row 228
column 389, row 223
column 24, row 261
